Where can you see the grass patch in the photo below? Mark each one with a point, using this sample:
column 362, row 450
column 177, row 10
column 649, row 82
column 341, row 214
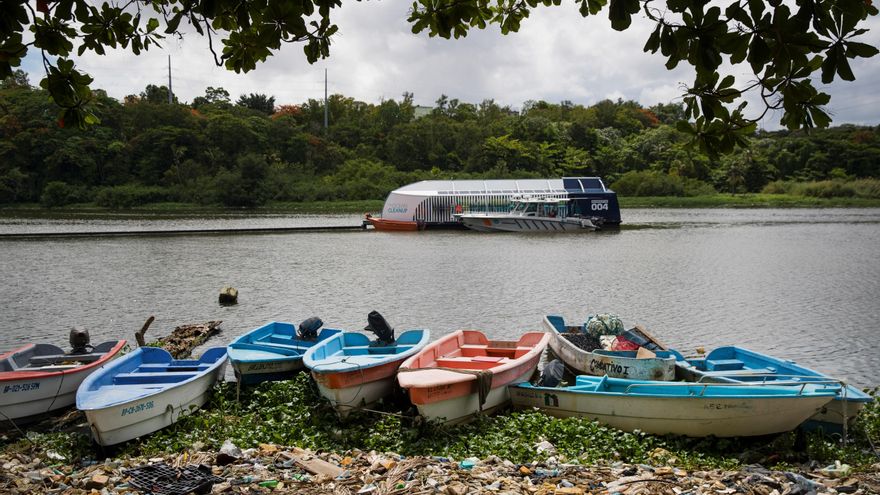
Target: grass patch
column 190, row 209
column 752, row 200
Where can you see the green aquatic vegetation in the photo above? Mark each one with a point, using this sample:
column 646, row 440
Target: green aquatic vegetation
column 292, row 413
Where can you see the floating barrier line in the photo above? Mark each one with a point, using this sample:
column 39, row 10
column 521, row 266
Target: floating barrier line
column 134, row 233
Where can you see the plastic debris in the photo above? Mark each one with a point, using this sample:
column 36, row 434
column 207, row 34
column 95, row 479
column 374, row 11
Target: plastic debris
column 161, row 479
column 266, row 470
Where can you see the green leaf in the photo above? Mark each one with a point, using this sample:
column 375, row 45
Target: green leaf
column 653, row 43
column 855, row 49
column 621, row 11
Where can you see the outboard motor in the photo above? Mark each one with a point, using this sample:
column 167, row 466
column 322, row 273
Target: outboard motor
column 380, row 327
column 308, row 329
column 79, row 340
column 552, row 374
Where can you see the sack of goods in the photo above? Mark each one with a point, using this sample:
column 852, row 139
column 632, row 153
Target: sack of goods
column 603, row 324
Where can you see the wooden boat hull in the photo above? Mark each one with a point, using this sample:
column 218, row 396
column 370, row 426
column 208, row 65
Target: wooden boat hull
column 387, row 225
column 692, row 416
column 352, row 373
column 271, row 352
column 679, row 408
column 266, row 371
column 738, row 365
column 348, row 399
column 444, row 379
column 118, row 412
column 28, row 393
column 463, row 407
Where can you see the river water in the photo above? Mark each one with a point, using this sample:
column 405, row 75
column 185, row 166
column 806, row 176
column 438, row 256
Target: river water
column 802, row 284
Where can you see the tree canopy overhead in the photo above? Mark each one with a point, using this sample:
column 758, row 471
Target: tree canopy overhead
column 784, row 44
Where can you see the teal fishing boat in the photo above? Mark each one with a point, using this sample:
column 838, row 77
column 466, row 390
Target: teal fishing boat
column 679, row 408
column 275, row 350
column 353, row 370
column 731, row 364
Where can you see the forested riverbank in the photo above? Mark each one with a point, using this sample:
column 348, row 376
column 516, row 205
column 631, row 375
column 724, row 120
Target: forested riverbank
column 253, row 152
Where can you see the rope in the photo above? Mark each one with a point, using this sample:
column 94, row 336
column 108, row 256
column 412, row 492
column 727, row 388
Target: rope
column 484, row 379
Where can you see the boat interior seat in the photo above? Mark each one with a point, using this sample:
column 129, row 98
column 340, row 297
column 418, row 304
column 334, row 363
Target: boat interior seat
column 151, row 378
column 165, row 368
column 62, row 358
column 466, row 363
column 391, row 349
column 501, row 352
column 276, row 339
column 724, row 364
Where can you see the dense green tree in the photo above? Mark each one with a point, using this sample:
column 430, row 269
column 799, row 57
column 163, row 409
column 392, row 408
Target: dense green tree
column 784, row 46
column 258, row 102
column 227, row 154
column 213, row 96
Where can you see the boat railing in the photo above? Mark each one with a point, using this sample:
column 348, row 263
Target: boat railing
column 704, row 385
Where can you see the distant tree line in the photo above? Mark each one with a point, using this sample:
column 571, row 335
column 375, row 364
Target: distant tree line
column 250, row 151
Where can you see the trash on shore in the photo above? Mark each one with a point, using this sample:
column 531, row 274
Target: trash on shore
column 275, row 469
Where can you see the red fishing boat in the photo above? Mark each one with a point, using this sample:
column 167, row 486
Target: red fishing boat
column 465, row 373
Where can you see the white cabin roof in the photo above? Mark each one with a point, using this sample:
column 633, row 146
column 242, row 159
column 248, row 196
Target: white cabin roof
column 497, row 186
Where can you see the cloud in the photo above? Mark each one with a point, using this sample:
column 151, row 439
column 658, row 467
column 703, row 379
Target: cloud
column 556, row 56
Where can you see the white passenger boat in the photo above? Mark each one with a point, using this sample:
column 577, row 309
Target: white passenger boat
column 530, row 215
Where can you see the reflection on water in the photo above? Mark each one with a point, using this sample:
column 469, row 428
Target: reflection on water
column 799, row 284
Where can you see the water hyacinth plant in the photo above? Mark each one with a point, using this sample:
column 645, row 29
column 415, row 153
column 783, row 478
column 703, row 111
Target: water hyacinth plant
column 292, row 413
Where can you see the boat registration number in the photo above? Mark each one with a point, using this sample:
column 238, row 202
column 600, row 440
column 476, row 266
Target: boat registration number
column 21, row 387
column 143, row 406
column 597, row 205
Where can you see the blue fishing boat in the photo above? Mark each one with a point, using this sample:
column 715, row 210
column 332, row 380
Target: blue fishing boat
column 275, row 350
column 733, row 364
column 145, row 391
column 353, row 371
column 679, row 408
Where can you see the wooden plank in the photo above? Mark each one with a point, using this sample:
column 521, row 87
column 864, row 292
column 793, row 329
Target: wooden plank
column 650, row 337
column 313, row 465
column 645, row 354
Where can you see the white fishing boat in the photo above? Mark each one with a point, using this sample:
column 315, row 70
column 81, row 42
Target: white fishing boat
column 680, row 408
column 530, row 214
column 146, row 391
column 582, row 355
column 36, row 379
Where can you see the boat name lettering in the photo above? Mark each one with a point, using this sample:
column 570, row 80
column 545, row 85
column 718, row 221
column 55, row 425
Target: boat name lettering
column 720, row 407
column 397, row 208
column 597, row 365
column 264, row 366
column 550, row 400
column 21, row 387
column 599, row 204
column 143, row 406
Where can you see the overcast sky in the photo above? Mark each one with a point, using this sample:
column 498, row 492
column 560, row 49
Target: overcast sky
column 556, row 56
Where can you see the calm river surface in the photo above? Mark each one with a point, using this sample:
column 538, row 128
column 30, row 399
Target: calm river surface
column 803, row 284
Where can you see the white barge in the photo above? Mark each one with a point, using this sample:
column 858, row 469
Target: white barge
column 434, row 203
